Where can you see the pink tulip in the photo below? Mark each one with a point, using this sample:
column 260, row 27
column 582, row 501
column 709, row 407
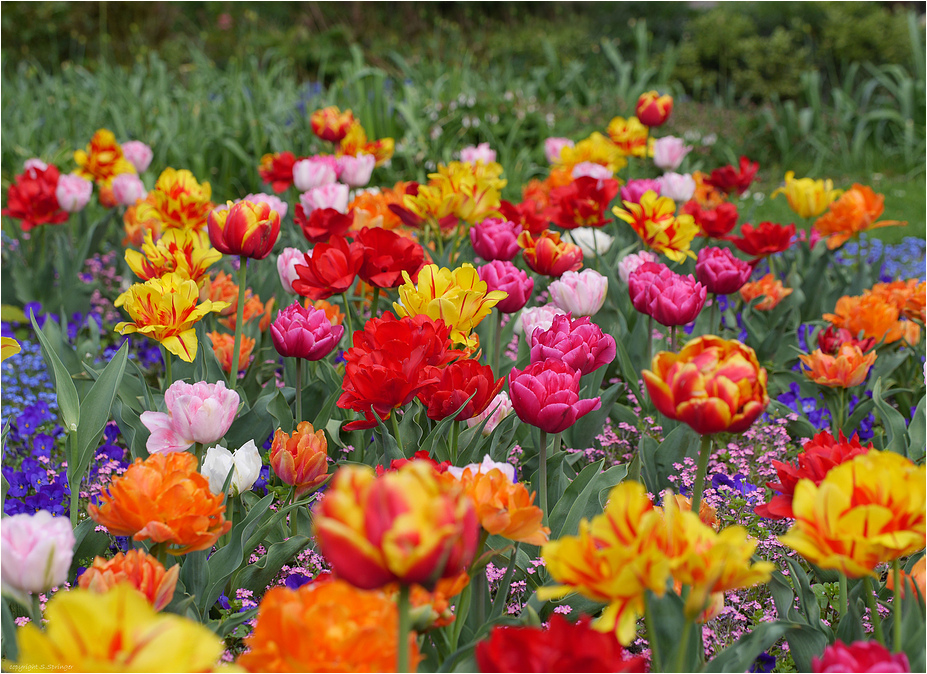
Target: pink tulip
column 579, row 343
column 859, row 656
column 128, row 188
column 495, row 239
column 676, row 186
column 36, row 553
column 592, row 170
column 505, row 276
column 670, row 298
column 198, row 412
column 497, row 410
column 286, row 267
column 631, row 262
column 333, row 195
column 314, row 172
column 669, row 151
column 475, row 153
column 720, row 272
column 546, row 394
column 138, row 154
column 356, row 171
column 73, row 192
column 536, row 317
column 276, row 203
column 635, row 189
column 299, row 332
column 553, row 147
column 581, row 293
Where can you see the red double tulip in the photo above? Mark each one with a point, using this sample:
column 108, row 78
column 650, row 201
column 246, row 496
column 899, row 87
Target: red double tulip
column 277, row 170
column 460, row 380
column 764, row 239
column 387, row 255
column 729, row 179
column 323, row 223
column 248, row 228
column 831, row 339
column 653, row 109
column 548, row 255
column 330, row 269
column 32, row 199
column 714, row 222
column 583, row 202
column 546, row 394
column 531, row 215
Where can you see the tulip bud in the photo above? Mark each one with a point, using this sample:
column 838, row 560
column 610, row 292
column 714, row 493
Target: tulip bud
column 720, row 272
column 630, row 263
column 591, row 240
column 286, row 267
column 669, row 298
column 497, row 410
column 300, row 459
column 246, row 228
column 653, row 109
column 546, row 394
column 127, row 189
column 138, row 154
column 536, row 317
column 495, row 239
column 244, row 464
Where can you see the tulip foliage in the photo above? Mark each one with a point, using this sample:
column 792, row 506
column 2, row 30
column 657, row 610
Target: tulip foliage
column 421, row 427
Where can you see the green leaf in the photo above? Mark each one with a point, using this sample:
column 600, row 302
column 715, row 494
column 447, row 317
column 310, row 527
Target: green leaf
column 325, row 414
column 917, row 432
column 582, row 434
column 68, row 402
column 740, row 656
column 892, row 420
column 257, row 576
column 194, row 574
column 87, row 544
column 850, row 626
column 581, row 499
column 10, row 646
column 657, row 460
column 279, row 409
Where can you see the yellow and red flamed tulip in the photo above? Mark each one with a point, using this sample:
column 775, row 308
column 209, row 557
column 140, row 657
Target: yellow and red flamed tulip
column 655, row 221
column 300, row 459
column 629, row 136
column 166, row 310
column 806, row 196
column 331, row 124
column 546, row 254
column 355, row 142
column 248, row 228
column 103, row 159
column 712, row 384
column 653, row 109
column 864, row 512
column 848, row 368
column 137, row 568
column 405, row 526
column 177, row 201
column 184, row 251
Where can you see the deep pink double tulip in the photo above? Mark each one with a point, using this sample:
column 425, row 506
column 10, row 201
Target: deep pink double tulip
column 495, row 239
column 299, row 332
column 505, row 276
column 670, row 298
column 546, row 394
column 635, row 189
column 720, row 272
column 579, row 343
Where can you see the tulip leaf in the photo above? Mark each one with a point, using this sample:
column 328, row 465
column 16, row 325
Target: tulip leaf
column 916, row 433
column 194, row 574
column 501, row 437
column 805, row 643
column 850, row 627
column 913, row 632
column 806, row 597
column 562, row 520
column 257, row 576
column 68, row 402
column 279, row 409
column 389, row 448
column 628, row 372
column 657, row 459
column 669, row 624
column 325, row 413
column 740, row 656
column 582, row 433
column 892, row 420
column 88, row 543
column 10, row 647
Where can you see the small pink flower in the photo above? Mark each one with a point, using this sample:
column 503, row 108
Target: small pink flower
column 591, row 170
column 720, row 272
column 299, row 332
column 670, row 298
column 536, row 317
column 332, row 195
column 276, row 203
column 546, row 394
column 553, row 147
column 356, row 171
column 138, row 154
column 581, row 293
column 286, row 267
column 631, row 262
column 495, row 239
column 128, row 188
column 73, row 192
column 677, row 186
column 199, row 412
column 481, row 152
column 36, row 553
column 505, row 276
column 579, row 343
column 635, row 189
column 314, row 172
column 669, row 151
column 497, row 410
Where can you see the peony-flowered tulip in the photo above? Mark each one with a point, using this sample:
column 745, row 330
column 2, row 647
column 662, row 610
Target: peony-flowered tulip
column 301, row 332
column 582, row 202
column 714, row 222
column 314, row 172
column 198, row 412
column 497, row 410
column 875, row 316
column 223, row 346
column 847, row 369
column 329, row 269
column 553, row 146
column 475, row 153
column 138, row 154
column 102, row 160
column 629, row 136
column 536, row 317
column 387, row 255
column 322, row 224
column 591, row 241
column 588, row 169
column 177, row 200
column 806, row 196
column 460, row 380
column 831, row 339
column 630, row 263
column 680, row 187
column 635, row 189
column 31, row 198
column 580, row 293
column 36, row 553
column 856, row 211
column 247, row 228
column 860, row 657
column 546, row 254
column 720, row 272
column 137, row 568
column 276, row 170
column 300, row 458
column 653, row 109
column 656, row 223
column 286, row 267
column 356, row 171
column 332, row 195
column 668, row 153
column 669, row 298
column 495, row 239
column 769, row 288
column 764, row 239
column 729, row 179
column 712, row 384
column 406, row 525
column 128, row 188
column 185, row 252
column 546, row 394
column 508, row 278
column 244, row 465
column 579, row 343
column 73, row 192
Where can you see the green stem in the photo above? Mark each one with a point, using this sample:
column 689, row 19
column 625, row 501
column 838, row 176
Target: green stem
column 542, row 473
column 840, row 411
column 198, row 448
column 299, row 390
column 712, row 322
column 683, row 647
column 347, row 317
column 497, row 343
column 650, row 624
column 404, row 625
column 239, row 321
column 896, row 606
column 455, row 440
column 673, row 339
column 480, row 592
column 396, row 432
column 75, row 486
column 35, row 610
column 502, row 593
column 704, row 452
column 375, row 303
column 772, row 269
column 159, row 551
column 873, row 610
column 168, row 377
column 650, row 341
column 842, row 596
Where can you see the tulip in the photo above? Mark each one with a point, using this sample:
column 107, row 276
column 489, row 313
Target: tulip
column 635, row 189
column 588, row 169
column 331, row 124
column 656, row 223
column 461, row 380
column 177, row 200
column 137, row 568
column 669, row 298
column 591, row 241
column 764, row 239
column 771, row 289
column 536, row 317
column 286, row 267
column 847, row 369
column 300, row 459
column 300, row 332
column 546, row 254
column 128, row 188
column 497, row 410
column 806, row 196
column 495, row 239
column 276, row 169
column 8, row 347
column 356, row 171
column 223, row 346
column 508, row 278
column 729, row 179
column 676, row 186
column 36, row 553
column 582, row 202
column 580, row 293
column 915, row 581
column 387, row 255
column 546, row 394
column 322, row 224
column 668, row 153
column 138, row 154
column 244, row 465
column 714, row 222
column 579, row 343
column 313, row 172
column 247, row 229
column 860, row 657
column 830, row 340
column 198, row 412
column 856, row 211
column 475, row 153
column 276, row 203
column 102, row 159
column 653, row 109
column 875, row 317
column 720, row 272
column 553, row 146
column 333, row 195
column 329, row 269
column 629, row 136
column 483, row 468
column 31, row 198
column 630, row 263
column 73, row 192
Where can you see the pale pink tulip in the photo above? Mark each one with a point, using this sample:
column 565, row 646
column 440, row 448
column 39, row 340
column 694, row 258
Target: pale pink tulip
column 198, row 412
column 669, row 151
column 128, row 188
column 36, row 553
column 333, row 195
column 138, row 154
column 581, row 293
column 73, row 192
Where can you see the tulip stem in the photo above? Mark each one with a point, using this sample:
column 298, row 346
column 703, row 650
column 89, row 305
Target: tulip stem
column 375, row 303
column 542, row 473
column 683, row 647
column 35, row 610
column 650, row 624
column 299, row 390
column 704, row 452
column 873, row 610
column 497, row 343
column 649, row 341
column 198, row 453
column 896, row 605
column 673, row 339
column 714, row 312
column 159, row 551
column 347, row 317
column 842, row 595
column 403, row 646
column 772, row 271
column 239, row 321
column 838, row 414
column 455, row 440
column 168, row 377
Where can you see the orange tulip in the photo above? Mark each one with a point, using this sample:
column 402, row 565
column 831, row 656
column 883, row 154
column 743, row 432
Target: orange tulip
column 916, row 581
column 914, row 306
column 136, row 228
column 140, row 570
column 332, row 311
column 847, row 369
column 103, row 159
column 432, row 609
column 548, row 255
column 326, row 626
column 874, row 317
column 223, row 346
column 223, row 288
column 712, row 384
column 854, row 212
column 768, row 287
column 163, row 499
column 301, row 458
column 253, row 308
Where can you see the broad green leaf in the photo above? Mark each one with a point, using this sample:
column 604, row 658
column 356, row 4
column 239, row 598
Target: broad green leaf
column 68, row 402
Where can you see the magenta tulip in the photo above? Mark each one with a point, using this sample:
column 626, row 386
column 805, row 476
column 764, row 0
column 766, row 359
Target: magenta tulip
column 546, row 394
column 670, row 298
column 635, row 189
column 299, row 332
column 495, row 239
column 579, row 343
column 720, row 272
column 505, row 276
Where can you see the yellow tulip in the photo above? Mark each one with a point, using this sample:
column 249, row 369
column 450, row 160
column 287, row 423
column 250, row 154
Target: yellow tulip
column 596, row 149
column 184, row 251
column 177, row 201
column 8, row 347
column 630, row 136
column 806, row 196
column 471, row 192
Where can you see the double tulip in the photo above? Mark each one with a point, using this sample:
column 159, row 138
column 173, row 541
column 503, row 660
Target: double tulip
column 546, row 254
column 495, row 239
column 669, row 298
column 300, row 459
column 301, row 332
column 505, row 276
column 579, row 343
column 720, row 272
column 36, row 553
column 199, row 412
column 848, row 368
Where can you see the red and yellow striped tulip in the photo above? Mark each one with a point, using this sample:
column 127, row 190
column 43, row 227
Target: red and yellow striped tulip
column 847, row 369
column 248, row 228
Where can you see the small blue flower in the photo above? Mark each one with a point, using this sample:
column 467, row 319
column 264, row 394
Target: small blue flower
column 296, row 581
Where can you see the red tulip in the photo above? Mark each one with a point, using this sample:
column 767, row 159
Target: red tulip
column 248, row 228
column 831, row 339
column 653, row 109
column 728, row 179
column 330, row 268
column 582, row 203
column 764, row 239
column 546, row 394
column 459, row 380
column 32, row 199
column 714, row 222
column 548, row 255
column 322, row 223
column 387, row 255
column 532, row 216
column 277, row 170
